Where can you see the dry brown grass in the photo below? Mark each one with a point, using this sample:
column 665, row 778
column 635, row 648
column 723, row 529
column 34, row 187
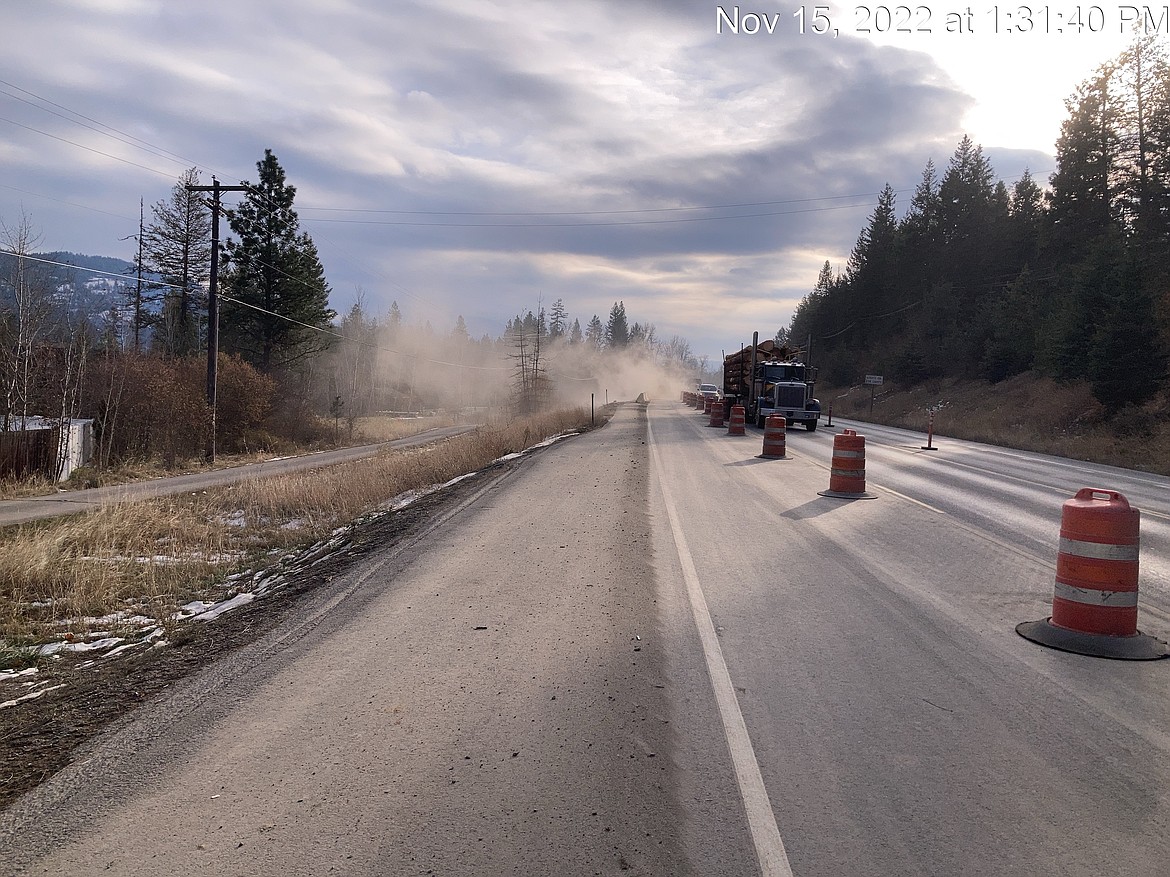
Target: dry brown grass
column 367, row 430
column 1028, row 412
column 150, row 557
column 386, row 427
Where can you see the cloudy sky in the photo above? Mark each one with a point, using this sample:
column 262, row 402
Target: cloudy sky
column 479, row 158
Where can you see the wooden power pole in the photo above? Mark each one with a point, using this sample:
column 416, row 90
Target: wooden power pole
column 213, row 301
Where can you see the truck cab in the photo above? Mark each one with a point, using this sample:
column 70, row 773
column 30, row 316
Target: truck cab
column 784, row 388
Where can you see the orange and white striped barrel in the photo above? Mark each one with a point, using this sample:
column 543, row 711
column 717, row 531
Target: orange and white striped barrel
column 707, row 402
column 699, row 401
column 847, row 470
column 716, row 413
column 775, row 440
column 736, row 425
column 1095, row 602
column 1097, row 565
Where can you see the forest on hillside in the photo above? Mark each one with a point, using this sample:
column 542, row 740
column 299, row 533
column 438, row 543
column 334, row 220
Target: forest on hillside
column 981, row 279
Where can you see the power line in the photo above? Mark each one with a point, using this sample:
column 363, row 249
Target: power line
column 127, row 139
column 86, row 148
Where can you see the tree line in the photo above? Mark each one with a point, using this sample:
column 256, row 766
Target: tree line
column 544, row 347
column 290, row 368
column 978, row 279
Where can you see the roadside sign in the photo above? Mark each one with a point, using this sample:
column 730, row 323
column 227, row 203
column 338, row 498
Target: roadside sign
column 874, row 380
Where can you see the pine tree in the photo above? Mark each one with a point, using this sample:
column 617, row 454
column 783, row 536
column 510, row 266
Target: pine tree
column 1081, row 199
column 595, row 333
column 276, row 295
column 1140, row 85
column 575, row 336
column 1025, row 220
column 869, row 288
column 558, row 320
column 617, row 331
column 177, row 246
column 460, row 335
column 1127, row 359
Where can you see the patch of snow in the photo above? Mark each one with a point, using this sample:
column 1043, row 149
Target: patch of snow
column 65, row 646
column 31, row 696
column 9, row 675
column 226, row 606
column 235, row 519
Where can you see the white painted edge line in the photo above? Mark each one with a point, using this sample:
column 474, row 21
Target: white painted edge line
column 770, row 852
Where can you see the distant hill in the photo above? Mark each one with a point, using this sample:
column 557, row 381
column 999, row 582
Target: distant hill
column 108, row 264
column 89, row 287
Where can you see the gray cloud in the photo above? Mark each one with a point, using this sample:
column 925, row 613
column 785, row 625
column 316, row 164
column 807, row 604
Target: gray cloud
column 446, row 111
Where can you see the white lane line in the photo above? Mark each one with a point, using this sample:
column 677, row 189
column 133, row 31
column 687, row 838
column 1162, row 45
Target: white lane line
column 765, row 834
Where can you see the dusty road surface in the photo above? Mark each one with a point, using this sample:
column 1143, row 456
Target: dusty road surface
column 649, row 651
column 513, row 695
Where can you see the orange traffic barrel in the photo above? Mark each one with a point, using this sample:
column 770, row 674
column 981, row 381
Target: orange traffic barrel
column 847, row 471
column 774, row 438
column 699, row 401
column 707, row 402
column 716, row 413
column 736, row 425
column 1095, row 601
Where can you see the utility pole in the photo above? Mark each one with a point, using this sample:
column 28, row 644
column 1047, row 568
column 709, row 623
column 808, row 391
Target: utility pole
column 213, row 302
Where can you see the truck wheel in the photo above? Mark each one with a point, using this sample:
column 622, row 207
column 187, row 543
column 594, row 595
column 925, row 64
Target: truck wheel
column 811, row 425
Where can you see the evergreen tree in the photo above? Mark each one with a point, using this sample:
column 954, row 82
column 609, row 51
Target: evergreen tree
column 1127, row 359
column 1140, row 82
column 460, row 335
column 870, row 286
column 919, row 235
column 177, row 246
column 617, row 331
column 1011, row 346
column 558, row 320
column 595, row 333
column 1081, row 198
column 575, row 336
column 1025, row 221
column 276, row 295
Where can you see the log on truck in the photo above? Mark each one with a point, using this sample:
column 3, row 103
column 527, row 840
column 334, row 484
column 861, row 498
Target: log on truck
column 768, row 378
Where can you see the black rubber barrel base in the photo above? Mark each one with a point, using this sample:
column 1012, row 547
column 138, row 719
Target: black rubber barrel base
column 1139, row 647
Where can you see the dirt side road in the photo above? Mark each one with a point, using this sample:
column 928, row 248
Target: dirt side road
column 496, row 699
column 69, row 502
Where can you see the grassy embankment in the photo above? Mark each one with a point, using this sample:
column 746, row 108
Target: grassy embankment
column 1027, row 412
column 147, row 558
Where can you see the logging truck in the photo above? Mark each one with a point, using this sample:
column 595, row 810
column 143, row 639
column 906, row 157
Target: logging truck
column 770, row 379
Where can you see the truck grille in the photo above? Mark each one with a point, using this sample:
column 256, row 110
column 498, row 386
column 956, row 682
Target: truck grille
column 790, row 397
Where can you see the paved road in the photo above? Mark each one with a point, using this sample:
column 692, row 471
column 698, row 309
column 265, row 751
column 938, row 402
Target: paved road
column 901, row 725
column 514, row 695
column 70, row 502
column 653, row 652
